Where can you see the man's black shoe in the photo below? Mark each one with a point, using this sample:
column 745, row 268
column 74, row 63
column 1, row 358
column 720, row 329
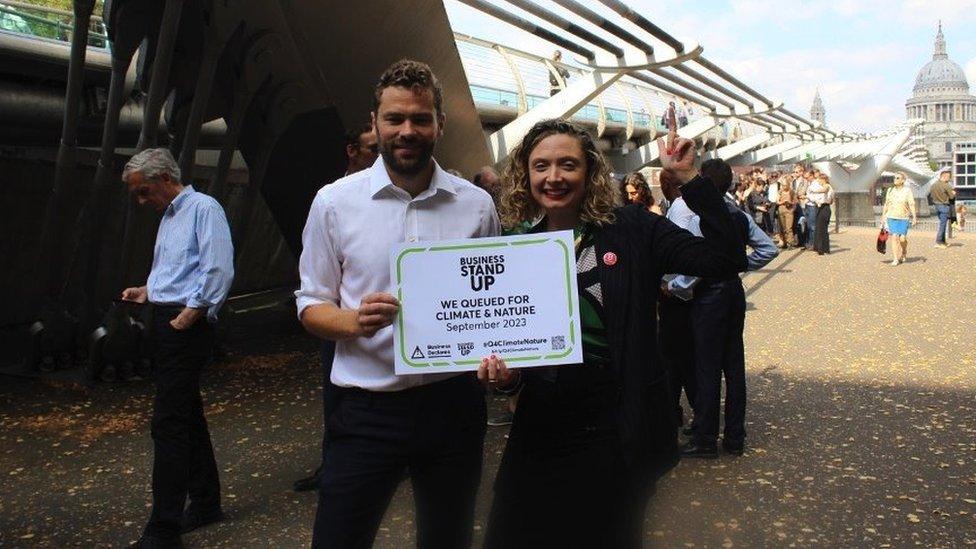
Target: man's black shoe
column 152, row 542
column 734, row 448
column 306, row 484
column 197, row 519
column 504, row 418
column 697, row 450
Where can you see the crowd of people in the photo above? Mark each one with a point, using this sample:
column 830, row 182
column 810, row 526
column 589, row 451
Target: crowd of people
column 794, row 208
column 588, row 441
column 788, row 207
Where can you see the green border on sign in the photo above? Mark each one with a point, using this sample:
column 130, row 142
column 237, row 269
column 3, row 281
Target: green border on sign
column 569, row 299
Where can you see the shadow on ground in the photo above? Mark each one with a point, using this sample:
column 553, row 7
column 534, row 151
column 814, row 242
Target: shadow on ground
column 828, row 463
column 858, row 435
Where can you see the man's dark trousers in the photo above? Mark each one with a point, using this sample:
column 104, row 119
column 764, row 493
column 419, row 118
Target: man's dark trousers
column 719, row 318
column 330, row 393
column 678, row 350
column 183, row 458
column 434, row 432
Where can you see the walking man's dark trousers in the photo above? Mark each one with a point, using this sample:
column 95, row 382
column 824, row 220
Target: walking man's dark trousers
column 183, row 457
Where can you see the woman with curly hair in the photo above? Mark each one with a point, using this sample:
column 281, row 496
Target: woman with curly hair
column 589, row 440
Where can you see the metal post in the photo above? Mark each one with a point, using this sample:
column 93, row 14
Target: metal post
column 101, row 194
column 58, row 214
column 159, row 84
column 212, row 47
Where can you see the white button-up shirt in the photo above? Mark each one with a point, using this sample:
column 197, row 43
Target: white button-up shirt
column 682, row 286
column 351, row 228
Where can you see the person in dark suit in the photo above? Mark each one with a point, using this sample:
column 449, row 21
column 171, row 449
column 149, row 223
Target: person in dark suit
column 361, row 152
column 589, row 440
column 718, row 317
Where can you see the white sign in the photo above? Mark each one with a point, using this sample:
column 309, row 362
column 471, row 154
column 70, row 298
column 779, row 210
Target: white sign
column 462, row 300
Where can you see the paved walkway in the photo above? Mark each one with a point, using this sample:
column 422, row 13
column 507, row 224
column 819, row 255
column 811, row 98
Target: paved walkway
column 861, row 420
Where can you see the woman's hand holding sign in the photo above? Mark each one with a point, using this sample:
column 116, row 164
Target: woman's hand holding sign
column 376, row 311
column 494, row 373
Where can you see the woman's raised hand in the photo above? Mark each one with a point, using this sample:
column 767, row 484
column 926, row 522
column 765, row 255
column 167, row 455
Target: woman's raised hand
column 680, row 158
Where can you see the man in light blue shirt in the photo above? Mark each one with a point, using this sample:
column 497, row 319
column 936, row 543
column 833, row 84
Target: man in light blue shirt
column 192, row 271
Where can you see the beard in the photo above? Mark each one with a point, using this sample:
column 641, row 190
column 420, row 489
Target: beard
column 407, row 167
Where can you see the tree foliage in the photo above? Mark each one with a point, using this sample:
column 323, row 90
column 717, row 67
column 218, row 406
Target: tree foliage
column 62, row 4
column 50, row 25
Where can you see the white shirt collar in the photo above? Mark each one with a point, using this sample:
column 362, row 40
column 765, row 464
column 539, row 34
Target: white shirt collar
column 379, row 179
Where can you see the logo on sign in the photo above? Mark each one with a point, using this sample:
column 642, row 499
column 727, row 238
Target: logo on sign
column 465, row 348
column 417, row 353
column 482, row 270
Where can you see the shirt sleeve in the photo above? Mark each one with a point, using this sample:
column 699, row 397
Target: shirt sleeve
column 490, row 224
column 319, row 269
column 682, row 286
column 216, row 263
column 764, row 249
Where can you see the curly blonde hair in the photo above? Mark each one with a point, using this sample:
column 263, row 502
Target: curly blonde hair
column 600, row 190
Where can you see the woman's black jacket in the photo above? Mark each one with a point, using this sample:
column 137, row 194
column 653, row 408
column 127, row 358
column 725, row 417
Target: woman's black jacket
column 648, row 246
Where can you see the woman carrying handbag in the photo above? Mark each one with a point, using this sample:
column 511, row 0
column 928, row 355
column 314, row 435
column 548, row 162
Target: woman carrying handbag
column 899, row 207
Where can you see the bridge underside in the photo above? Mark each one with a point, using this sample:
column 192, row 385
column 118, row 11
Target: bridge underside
column 254, row 98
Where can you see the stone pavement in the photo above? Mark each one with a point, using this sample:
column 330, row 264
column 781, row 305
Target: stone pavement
column 861, row 422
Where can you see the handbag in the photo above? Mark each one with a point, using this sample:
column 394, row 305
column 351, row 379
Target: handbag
column 882, row 240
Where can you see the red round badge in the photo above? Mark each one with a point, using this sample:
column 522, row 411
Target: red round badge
column 610, row 259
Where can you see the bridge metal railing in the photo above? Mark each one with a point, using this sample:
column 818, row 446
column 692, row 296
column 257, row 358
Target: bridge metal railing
column 495, row 83
column 48, row 23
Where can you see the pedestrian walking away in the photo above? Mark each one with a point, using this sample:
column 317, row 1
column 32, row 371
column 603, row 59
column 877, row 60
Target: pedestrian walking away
column 192, row 272
column 942, row 194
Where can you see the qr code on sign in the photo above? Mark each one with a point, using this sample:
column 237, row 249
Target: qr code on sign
column 558, row 343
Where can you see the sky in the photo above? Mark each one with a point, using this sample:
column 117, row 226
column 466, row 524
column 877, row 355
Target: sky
column 863, row 55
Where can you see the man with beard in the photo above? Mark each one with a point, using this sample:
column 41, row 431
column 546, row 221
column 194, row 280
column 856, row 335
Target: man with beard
column 361, row 153
column 429, row 426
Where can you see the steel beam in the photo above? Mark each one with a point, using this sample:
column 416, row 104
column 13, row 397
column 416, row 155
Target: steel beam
column 532, row 28
column 648, row 153
column 760, row 156
column 566, row 25
column 58, row 217
column 223, row 21
column 607, row 25
column 159, row 84
column 561, row 105
column 624, row 11
column 740, row 147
